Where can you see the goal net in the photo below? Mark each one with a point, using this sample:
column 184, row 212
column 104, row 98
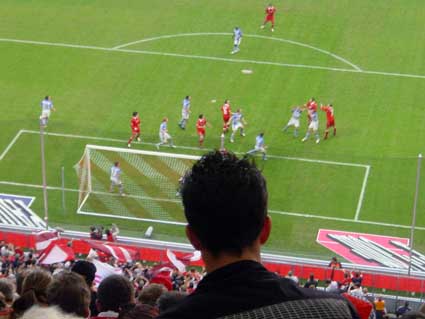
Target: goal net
column 150, row 183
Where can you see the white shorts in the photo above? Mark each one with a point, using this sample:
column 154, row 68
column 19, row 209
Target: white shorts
column 236, row 127
column 314, row 125
column 115, row 182
column 45, row 114
column 185, row 115
column 260, row 149
column 164, row 137
column 237, row 41
column 295, row 122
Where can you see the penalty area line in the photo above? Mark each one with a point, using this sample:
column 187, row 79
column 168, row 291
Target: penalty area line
column 8, row 147
column 366, row 222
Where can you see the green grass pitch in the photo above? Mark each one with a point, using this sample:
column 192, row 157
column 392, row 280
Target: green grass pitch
column 365, row 57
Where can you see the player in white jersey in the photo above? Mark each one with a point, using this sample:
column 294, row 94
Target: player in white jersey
column 164, row 137
column 294, row 120
column 259, row 147
column 237, row 39
column 116, row 178
column 185, row 112
column 238, row 123
column 46, row 108
column 313, row 127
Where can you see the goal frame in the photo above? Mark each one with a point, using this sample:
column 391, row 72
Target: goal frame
column 86, row 160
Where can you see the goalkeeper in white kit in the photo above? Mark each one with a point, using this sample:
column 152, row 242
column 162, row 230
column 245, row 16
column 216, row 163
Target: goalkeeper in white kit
column 116, row 178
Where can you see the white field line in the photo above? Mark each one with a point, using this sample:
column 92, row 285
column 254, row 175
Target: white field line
column 170, row 36
column 362, row 193
column 344, row 220
column 77, row 46
column 8, row 147
column 54, row 188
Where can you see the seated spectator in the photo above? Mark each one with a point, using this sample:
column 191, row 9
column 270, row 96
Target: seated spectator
column 332, row 286
column 96, row 232
column 225, row 204
column 150, row 294
column 5, row 310
column 380, row 310
column 170, row 299
column 334, row 264
column 7, row 291
column 140, row 311
column 112, row 234
column 115, row 296
column 33, row 292
column 19, row 277
column 311, row 282
column 357, row 278
column 88, row 271
column 346, row 281
column 37, row 312
column 356, row 290
column 70, row 293
column 403, row 309
column 292, row 277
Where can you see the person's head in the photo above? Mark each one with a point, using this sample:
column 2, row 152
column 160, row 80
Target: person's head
column 47, row 97
column 85, row 269
column 201, row 116
column 238, row 110
column 117, row 164
column 33, row 292
column 225, row 204
column 115, row 293
column 261, row 134
column 150, row 294
column 165, row 119
column 6, row 288
column 312, row 99
column 311, row 277
column 135, row 114
column 70, row 293
column 170, row 299
column 187, row 97
column 226, row 101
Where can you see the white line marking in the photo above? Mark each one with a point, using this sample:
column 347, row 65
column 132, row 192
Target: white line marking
column 362, row 193
column 389, row 74
column 270, row 211
column 344, row 220
column 169, row 36
column 8, row 147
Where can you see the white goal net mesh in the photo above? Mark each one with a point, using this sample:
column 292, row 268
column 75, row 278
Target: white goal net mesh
column 150, row 183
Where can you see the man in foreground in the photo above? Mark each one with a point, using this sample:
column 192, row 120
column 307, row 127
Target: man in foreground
column 225, row 203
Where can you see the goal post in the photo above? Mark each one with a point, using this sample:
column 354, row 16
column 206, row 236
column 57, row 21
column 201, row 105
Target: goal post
column 150, row 182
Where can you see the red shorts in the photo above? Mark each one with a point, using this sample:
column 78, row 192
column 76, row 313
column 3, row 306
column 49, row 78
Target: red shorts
column 330, row 123
column 270, row 19
column 226, row 119
column 201, row 131
column 135, row 130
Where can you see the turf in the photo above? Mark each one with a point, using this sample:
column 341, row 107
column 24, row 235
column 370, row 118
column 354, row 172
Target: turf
column 379, row 116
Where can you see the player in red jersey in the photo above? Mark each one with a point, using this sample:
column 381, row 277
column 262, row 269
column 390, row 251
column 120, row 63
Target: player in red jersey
column 227, row 112
column 201, row 124
column 270, row 11
column 135, row 128
column 330, row 118
column 311, row 106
